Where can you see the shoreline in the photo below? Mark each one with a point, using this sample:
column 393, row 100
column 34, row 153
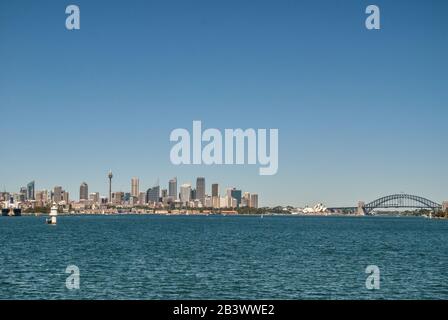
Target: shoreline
column 121, row 214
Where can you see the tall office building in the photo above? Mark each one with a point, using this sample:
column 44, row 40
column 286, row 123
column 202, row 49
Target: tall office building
column 245, row 201
column 153, row 195
column 172, row 188
column 65, row 196
column 22, row 194
column 185, row 193
column 142, row 198
column 215, row 190
column 215, row 195
column 30, row 191
column 200, row 189
column 57, row 194
column 84, row 191
column 135, row 188
column 95, row 197
column 117, row 197
column 236, row 194
column 254, row 200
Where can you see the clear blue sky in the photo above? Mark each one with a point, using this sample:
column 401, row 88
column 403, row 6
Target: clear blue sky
column 360, row 113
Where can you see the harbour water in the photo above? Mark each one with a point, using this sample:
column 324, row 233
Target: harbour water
column 223, row 257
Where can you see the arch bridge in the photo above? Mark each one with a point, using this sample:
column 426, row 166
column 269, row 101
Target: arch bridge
column 397, row 201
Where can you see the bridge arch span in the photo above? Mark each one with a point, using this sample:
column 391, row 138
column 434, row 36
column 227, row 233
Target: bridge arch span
column 401, row 201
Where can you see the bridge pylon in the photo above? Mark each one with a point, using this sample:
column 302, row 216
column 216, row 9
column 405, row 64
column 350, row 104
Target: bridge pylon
column 445, row 206
column 361, row 208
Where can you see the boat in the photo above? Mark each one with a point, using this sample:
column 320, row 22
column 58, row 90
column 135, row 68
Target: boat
column 11, row 208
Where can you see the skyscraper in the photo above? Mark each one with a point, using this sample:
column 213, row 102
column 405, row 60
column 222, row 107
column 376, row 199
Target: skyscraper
column 23, row 194
column 153, row 194
column 57, row 194
column 30, row 191
column 110, row 176
column 117, row 197
column 236, row 194
column 185, row 193
column 172, row 188
column 254, row 200
column 200, row 189
column 84, row 191
column 215, row 190
column 135, row 187
column 142, row 198
column 65, row 196
column 95, row 197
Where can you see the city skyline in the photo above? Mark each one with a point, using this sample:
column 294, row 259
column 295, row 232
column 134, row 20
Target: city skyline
column 172, row 190
column 360, row 113
column 152, row 194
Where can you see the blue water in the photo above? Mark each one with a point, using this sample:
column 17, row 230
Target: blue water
column 231, row 257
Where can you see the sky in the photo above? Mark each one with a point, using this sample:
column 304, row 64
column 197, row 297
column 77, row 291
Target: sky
column 361, row 113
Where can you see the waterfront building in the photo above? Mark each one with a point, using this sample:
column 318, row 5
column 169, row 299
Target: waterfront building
column 135, row 186
column 153, row 194
column 172, row 188
column 193, row 194
column 30, row 191
column 200, row 189
column 83, row 191
column 254, row 200
column 185, row 193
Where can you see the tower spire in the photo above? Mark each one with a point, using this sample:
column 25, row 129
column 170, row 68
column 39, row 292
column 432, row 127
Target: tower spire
column 110, row 176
